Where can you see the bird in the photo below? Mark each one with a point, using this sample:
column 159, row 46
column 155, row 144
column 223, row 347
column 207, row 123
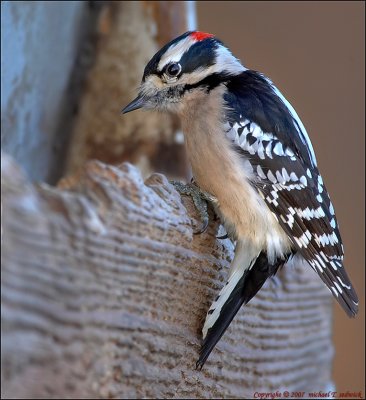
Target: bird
column 248, row 150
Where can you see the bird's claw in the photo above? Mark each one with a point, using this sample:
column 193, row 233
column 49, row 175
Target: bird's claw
column 200, row 200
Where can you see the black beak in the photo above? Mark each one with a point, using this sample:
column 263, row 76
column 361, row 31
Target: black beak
column 134, row 105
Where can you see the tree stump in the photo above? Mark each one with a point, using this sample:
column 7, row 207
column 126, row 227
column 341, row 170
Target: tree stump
column 105, row 290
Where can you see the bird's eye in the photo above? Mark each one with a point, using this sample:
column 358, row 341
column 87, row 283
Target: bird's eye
column 173, row 70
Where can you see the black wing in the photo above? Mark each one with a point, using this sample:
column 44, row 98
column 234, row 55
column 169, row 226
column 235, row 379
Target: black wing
column 267, row 131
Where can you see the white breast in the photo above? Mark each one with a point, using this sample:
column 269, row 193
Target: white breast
column 221, row 171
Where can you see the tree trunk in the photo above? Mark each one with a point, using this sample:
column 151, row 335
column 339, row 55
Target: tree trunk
column 130, row 33
column 105, row 290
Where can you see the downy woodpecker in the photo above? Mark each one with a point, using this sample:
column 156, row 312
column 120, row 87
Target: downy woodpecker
column 250, row 151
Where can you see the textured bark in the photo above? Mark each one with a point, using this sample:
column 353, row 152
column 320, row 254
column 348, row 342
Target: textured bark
column 129, row 34
column 105, row 290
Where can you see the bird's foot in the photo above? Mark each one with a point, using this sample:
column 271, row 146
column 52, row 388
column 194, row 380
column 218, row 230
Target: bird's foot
column 200, row 200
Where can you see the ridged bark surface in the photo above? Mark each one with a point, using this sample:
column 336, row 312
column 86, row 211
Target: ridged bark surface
column 105, row 290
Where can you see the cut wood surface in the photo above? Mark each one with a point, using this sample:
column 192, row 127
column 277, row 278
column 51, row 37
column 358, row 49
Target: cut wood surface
column 105, row 290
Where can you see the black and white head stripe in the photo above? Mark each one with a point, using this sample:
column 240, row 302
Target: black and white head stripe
column 196, row 52
column 267, row 133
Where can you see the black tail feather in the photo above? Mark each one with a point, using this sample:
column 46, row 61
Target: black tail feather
column 247, row 287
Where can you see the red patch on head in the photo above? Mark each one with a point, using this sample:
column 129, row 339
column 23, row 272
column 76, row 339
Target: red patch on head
column 198, row 36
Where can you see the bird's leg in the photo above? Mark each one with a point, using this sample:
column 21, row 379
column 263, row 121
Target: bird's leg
column 200, row 200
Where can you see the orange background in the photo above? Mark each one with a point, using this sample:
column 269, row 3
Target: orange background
column 314, row 53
